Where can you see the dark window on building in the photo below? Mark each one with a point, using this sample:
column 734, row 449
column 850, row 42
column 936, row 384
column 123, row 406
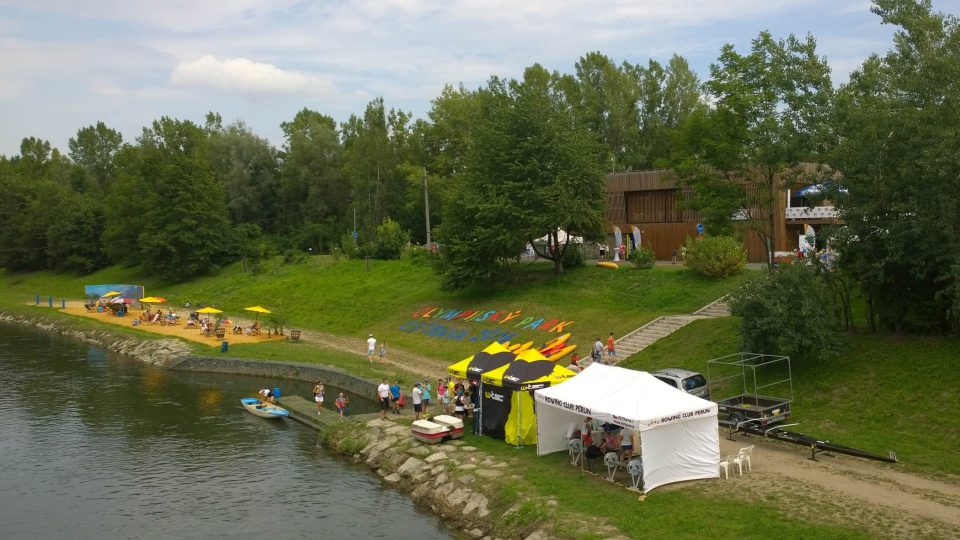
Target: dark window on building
column 654, row 206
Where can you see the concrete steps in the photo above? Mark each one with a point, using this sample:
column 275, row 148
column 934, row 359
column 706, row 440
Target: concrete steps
column 642, row 337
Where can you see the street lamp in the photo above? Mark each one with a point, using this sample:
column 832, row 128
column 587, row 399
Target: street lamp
column 426, row 208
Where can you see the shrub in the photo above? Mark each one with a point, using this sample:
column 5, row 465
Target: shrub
column 417, row 255
column 391, row 239
column 349, row 245
column 787, row 311
column 643, row 258
column 573, row 256
column 715, row 256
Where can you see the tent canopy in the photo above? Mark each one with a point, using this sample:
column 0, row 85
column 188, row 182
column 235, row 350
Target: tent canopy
column 492, row 357
column 562, row 237
column 679, row 433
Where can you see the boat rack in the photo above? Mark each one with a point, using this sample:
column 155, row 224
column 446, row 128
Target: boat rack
column 815, row 445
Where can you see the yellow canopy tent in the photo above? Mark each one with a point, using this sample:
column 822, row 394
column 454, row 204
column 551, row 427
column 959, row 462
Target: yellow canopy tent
column 507, row 398
column 493, row 356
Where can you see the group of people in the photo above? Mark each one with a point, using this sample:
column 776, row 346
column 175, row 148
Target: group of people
column 597, row 354
column 453, row 397
column 372, row 349
column 613, row 438
column 340, row 403
column 157, row 316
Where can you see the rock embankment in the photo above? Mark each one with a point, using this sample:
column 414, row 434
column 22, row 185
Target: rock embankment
column 466, row 487
column 157, row 352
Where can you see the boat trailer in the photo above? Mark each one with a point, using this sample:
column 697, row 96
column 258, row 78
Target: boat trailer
column 815, row 445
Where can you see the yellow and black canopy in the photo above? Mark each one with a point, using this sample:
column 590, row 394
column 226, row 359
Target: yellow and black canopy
column 492, row 357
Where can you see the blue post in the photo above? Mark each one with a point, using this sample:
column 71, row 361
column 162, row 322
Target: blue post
column 224, row 347
column 63, row 303
column 38, row 299
column 276, row 391
column 50, row 301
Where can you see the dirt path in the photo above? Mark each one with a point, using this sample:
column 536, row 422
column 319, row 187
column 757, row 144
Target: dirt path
column 874, row 497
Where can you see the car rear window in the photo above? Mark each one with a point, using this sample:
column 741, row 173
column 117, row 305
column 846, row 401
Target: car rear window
column 667, row 380
column 695, row 381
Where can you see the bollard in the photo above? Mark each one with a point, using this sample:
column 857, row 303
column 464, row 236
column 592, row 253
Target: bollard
column 38, row 299
column 63, row 303
column 50, row 301
column 224, row 346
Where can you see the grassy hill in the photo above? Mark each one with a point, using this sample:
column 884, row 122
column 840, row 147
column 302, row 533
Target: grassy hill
column 882, row 393
column 352, row 299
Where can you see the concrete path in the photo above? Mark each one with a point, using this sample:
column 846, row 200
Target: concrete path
column 643, row 337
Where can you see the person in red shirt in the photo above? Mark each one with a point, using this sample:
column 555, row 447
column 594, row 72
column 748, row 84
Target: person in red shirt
column 611, row 348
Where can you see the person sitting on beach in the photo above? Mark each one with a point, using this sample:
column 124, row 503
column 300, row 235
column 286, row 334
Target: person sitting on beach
column 237, row 329
column 266, row 395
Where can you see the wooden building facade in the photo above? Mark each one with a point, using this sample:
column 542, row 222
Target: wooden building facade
column 653, row 202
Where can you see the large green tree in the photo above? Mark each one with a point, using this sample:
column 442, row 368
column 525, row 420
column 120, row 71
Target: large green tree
column 898, row 134
column 532, row 171
column 770, row 115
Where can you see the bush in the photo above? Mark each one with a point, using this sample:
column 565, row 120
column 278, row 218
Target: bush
column 417, row 255
column 787, row 311
column 643, row 258
column 573, row 256
column 349, row 245
column 391, row 239
column 715, row 256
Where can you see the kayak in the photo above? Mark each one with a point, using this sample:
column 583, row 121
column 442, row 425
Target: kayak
column 610, row 265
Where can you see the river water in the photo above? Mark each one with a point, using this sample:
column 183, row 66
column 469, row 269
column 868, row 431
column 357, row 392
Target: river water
column 96, row 445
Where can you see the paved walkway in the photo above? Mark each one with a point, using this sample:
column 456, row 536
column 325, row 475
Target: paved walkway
column 643, row 337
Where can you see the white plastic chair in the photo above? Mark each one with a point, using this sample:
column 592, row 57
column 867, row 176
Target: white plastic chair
column 744, row 456
column 612, row 461
column 635, row 468
column 575, row 449
column 726, row 462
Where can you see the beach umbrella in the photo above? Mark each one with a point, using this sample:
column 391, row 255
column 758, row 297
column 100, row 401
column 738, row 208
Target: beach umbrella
column 111, row 293
column 258, row 310
column 152, row 300
column 211, row 310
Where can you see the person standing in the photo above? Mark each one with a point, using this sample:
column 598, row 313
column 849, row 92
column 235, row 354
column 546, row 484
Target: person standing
column 475, row 405
column 611, row 348
column 318, row 395
column 341, row 403
column 383, row 395
column 371, row 347
column 597, row 353
column 603, row 252
column 395, row 397
column 623, row 252
column 443, row 395
column 383, row 351
column 417, row 400
column 427, row 394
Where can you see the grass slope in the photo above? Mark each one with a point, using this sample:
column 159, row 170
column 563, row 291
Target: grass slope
column 882, row 393
column 348, row 298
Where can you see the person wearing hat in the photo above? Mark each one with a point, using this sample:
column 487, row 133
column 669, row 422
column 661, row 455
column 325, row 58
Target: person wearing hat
column 371, row 347
column 417, row 400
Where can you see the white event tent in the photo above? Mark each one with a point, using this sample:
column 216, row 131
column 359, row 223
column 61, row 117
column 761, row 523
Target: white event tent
column 679, row 436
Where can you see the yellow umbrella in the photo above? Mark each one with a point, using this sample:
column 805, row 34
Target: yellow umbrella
column 112, row 293
column 257, row 309
column 152, row 300
column 209, row 310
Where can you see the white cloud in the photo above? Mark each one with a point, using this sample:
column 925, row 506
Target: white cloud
column 245, row 76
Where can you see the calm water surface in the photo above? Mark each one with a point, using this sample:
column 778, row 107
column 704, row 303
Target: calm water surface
column 95, row 445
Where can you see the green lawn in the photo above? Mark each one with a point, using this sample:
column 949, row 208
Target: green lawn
column 349, row 299
column 690, row 512
column 882, row 393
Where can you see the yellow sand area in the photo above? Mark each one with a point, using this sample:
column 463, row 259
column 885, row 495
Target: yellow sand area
column 177, row 330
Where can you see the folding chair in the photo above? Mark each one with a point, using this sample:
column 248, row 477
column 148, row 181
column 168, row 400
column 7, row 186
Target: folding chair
column 612, row 461
column 635, row 468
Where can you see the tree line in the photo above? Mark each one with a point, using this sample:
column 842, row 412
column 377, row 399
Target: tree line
column 520, row 159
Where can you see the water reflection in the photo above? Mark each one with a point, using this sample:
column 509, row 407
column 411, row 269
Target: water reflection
column 97, row 446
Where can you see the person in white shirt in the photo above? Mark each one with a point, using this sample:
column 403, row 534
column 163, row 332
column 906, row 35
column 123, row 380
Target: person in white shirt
column 371, row 347
column 417, row 400
column 383, row 395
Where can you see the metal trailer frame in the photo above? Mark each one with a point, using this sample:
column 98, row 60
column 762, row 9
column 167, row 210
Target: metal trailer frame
column 745, row 360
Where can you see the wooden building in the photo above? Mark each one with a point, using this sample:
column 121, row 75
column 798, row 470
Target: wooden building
column 650, row 201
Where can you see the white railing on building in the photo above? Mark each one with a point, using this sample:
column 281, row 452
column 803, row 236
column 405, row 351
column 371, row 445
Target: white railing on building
column 811, row 212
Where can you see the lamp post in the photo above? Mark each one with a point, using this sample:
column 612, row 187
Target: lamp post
column 426, row 208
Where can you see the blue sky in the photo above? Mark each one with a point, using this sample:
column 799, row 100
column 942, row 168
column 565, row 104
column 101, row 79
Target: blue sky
column 67, row 64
